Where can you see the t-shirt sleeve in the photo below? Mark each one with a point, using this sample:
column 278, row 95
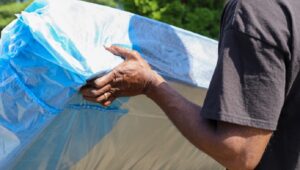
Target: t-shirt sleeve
column 248, row 85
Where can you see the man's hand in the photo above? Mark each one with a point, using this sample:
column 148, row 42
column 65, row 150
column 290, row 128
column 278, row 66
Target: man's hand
column 133, row 77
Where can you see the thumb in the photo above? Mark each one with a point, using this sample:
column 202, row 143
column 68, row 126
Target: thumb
column 123, row 52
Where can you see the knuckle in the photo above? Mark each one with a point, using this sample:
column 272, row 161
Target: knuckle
column 94, row 92
column 114, row 91
column 108, row 88
column 115, row 73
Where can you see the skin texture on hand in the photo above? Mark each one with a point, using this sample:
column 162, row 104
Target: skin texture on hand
column 133, row 77
column 234, row 146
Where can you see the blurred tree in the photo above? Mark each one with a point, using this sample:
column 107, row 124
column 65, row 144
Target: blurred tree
column 200, row 16
column 10, row 1
column 6, row 1
column 8, row 11
column 111, row 3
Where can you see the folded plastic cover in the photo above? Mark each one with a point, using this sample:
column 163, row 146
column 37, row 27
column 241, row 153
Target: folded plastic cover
column 50, row 51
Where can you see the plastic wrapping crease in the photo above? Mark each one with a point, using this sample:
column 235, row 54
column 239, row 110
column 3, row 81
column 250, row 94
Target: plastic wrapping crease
column 50, row 51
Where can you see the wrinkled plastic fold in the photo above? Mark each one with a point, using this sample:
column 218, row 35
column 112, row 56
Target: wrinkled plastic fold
column 52, row 49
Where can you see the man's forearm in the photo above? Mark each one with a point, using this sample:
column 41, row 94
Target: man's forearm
column 227, row 147
column 185, row 116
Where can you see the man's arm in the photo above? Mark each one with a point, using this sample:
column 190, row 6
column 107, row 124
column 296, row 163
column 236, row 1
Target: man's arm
column 234, row 146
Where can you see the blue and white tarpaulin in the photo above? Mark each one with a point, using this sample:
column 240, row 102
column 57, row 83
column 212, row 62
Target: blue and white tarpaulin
column 49, row 52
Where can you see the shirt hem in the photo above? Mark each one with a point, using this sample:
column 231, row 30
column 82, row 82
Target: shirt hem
column 229, row 118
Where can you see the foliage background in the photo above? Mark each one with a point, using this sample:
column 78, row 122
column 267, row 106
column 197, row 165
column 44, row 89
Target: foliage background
column 200, row 16
column 8, row 11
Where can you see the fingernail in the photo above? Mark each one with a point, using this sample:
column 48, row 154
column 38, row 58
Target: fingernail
column 107, row 103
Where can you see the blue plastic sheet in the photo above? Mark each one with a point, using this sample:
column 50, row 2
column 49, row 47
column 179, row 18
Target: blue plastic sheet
column 54, row 46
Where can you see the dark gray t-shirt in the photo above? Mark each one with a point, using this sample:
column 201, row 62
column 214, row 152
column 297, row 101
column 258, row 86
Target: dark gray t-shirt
column 257, row 82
